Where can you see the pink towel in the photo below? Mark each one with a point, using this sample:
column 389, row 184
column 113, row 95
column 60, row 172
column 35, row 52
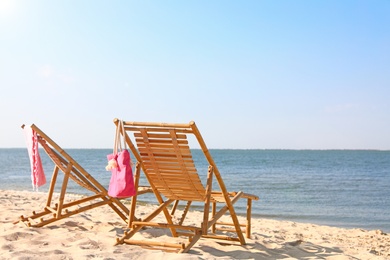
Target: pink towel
column 37, row 175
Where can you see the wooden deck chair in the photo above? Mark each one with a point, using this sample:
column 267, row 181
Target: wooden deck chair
column 163, row 152
column 63, row 207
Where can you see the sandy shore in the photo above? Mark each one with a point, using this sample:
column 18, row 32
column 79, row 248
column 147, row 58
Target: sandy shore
column 91, row 235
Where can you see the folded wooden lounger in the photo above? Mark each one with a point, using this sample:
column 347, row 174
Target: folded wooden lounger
column 64, row 207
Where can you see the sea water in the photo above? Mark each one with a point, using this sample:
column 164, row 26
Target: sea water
column 343, row 188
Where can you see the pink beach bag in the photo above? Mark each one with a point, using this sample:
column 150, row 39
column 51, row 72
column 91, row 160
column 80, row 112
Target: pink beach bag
column 119, row 163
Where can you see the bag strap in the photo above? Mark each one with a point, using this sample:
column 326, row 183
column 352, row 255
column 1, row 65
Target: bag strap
column 115, row 149
column 120, row 128
column 123, row 134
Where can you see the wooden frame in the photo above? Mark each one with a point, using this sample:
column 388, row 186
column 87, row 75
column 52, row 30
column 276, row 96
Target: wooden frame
column 163, row 154
column 63, row 208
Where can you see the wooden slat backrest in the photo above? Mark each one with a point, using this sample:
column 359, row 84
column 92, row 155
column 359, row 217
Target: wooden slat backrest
column 168, row 162
column 161, row 139
column 166, row 159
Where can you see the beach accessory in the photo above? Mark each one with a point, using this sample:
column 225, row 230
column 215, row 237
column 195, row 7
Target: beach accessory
column 119, row 163
column 38, row 177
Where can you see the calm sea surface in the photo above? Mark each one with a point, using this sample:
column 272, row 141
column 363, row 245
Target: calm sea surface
column 333, row 187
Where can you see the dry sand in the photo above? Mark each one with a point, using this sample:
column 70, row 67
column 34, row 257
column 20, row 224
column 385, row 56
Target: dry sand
column 91, row 235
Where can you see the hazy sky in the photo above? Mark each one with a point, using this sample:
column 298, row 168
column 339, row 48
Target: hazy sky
column 251, row 74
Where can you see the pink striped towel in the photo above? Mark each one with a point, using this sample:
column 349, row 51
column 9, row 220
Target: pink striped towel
column 37, row 175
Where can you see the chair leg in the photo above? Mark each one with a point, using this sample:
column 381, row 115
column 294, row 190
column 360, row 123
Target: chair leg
column 135, row 228
column 222, row 211
column 134, row 198
column 248, row 218
column 214, row 211
column 63, row 190
column 193, row 241
column 52, row 185
column 174, row 207
column 186, row 209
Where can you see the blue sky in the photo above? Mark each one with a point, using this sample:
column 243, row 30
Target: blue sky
column 251, row 74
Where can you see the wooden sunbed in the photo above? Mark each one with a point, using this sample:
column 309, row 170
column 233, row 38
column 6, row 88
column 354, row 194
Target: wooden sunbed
column 163, row 154
column 57, row 209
